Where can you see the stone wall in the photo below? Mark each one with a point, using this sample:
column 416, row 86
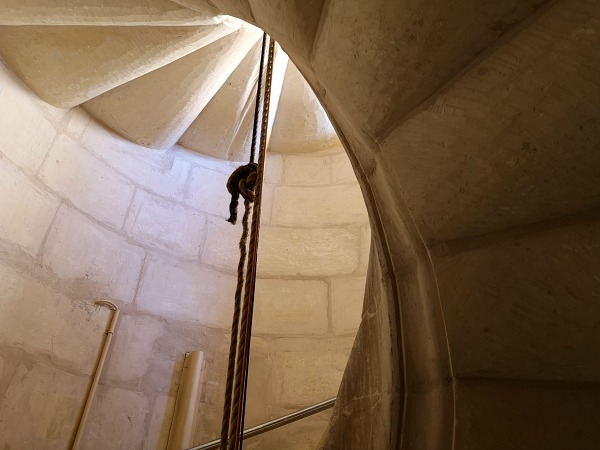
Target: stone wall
column 85, row 214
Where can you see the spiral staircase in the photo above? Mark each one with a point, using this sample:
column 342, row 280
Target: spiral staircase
column 161, row 74
column 473, row 128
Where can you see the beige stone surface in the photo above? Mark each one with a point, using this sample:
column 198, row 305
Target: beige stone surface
column 290, row 307
column 365, row 248
column 186, row 292
column 40, row 404
column 236, row 8
column 307, row 170
column 301, row 124
column 242, row 139
column 133, row 358
column 104, row 12
column 124, row 412
column 208, row 191
column 302, row 376
column 341, row 169
column 95, row 59
column 299, row 29
column 347, row 296
column 535, row 98
column 319, row 206
column 19, row 113
column 39, row 320
column 541, row 405
column 473, row 126
column 214, row 130
column 90, row 257
column 161, row 225
column 391, row 59
column 26, row 210
column 156, row 171
column 287, row 251
column 155, row 109
column 87, row 182
column 528, row 301
column 171, row 304
column 274, row 168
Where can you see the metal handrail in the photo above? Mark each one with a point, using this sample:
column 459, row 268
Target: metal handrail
column 275, row 423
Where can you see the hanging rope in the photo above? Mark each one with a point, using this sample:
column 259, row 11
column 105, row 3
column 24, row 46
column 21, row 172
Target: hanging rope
column 234, row 329
column 258, row 97
column 242, row 359
column 242, row 182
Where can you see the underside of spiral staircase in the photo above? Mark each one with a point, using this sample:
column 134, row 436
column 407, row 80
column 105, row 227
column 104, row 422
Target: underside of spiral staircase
column 474, row 130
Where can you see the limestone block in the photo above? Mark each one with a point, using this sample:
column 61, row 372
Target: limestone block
column 286, row 251
column 347, row 295
column 186, row 292
column 25, row 210
column 25, row 134
column 133, row 356
column 268, row 198
column 307, row 171
column 273, row 168
column 207, row 162
column 37, row 319
column 258, row 404
column 319, row 206
column 40, row 405
column 207, row 191
column 89, row 183
column 341, row 169
column 163, row 225
column 155, row 170
column 124, row 413
column 290, row 306
column 302, row 376
column 92, row 257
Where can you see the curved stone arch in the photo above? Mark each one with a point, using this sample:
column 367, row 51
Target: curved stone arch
column 411, row 387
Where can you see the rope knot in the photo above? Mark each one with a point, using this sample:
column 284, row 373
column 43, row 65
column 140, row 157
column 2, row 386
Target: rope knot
column 241, row 181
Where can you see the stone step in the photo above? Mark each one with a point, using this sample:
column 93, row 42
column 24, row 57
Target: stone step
column 214, row 130
column 105, row 12
column 301, row 124
column 68, row 65
column 156, row 109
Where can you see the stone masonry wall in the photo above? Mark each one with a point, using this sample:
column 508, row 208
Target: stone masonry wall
column 85, row 214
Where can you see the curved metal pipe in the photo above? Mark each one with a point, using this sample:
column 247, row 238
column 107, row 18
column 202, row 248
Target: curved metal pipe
column 99, row 366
